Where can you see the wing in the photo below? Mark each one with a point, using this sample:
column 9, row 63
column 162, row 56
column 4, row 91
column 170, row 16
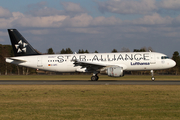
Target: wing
column 91, row 66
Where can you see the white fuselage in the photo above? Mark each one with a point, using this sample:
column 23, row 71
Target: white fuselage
column 64, row 62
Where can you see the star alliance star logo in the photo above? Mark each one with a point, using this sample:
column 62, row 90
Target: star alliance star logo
column 21, row 46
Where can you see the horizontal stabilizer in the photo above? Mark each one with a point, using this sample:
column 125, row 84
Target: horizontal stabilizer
column 14, row 60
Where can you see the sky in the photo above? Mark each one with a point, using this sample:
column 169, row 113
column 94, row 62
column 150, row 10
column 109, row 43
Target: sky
column 101, row 25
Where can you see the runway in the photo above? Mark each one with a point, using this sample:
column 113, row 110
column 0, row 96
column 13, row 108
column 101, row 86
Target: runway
column 86, row 82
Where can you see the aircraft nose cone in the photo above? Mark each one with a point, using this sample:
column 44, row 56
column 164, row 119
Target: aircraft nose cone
column 173, row 63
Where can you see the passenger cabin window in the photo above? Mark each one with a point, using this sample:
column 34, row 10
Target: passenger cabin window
column 164, row 57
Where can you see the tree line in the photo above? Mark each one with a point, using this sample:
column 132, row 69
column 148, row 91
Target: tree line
column 10, row 69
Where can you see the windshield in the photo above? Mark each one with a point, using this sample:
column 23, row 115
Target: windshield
column 164, row 57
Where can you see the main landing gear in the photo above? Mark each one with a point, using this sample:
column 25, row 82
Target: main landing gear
column 152, row 74
column 95, row 77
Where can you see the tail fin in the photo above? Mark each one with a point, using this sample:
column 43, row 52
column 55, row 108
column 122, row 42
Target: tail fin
column 19, row 44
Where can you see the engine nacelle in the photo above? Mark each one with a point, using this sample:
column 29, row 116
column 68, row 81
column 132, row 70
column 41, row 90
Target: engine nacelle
column 115, row 71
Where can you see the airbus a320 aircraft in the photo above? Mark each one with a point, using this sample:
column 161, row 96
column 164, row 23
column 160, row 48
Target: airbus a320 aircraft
column 113, row 63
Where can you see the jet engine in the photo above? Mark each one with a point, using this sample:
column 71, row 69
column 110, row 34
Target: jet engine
column 115, row 71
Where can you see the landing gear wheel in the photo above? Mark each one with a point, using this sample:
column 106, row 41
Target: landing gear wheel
column 94, row 78
column 153, row 78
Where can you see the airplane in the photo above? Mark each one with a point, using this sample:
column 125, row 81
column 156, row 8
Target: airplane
column 114, row 64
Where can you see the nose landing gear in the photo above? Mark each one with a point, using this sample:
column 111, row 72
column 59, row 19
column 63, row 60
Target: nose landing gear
column 152, row 74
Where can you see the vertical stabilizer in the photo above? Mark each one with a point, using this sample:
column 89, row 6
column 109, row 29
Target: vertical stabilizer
column 20, row 45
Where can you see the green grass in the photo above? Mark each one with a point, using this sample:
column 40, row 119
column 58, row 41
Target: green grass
column 97, row 102
column 86, row 77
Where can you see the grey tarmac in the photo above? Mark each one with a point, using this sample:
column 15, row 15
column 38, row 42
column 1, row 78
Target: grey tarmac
column 86, row 82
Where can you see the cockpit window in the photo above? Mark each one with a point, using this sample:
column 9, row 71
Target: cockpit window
column 164, row 57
